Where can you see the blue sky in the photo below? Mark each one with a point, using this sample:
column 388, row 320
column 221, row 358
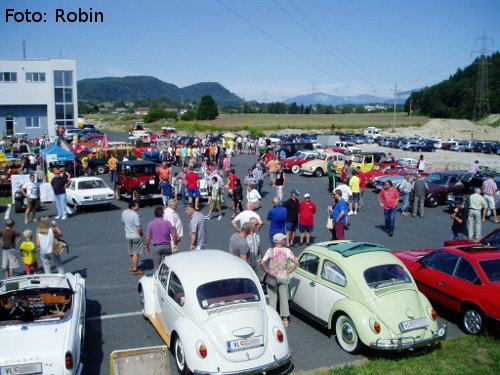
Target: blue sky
column 260, row 49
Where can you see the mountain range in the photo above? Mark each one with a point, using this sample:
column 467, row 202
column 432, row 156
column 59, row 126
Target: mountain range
column 130, row 88
column 327, row 99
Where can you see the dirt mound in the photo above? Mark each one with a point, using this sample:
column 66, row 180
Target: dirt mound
column 438, row 124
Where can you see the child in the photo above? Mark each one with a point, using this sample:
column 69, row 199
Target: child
column 166, row 187
column 28, row 252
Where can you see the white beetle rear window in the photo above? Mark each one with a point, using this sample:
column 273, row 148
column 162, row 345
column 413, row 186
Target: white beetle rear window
column 225, row 292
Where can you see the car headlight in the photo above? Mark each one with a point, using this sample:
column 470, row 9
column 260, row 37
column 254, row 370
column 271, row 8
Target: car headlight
column 278, row 334
column 201, row 349
column 375, row 325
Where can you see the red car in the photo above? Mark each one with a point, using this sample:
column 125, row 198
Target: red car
column 464, row 279
column 492, row 239
column 383, row 169
column 293, row 163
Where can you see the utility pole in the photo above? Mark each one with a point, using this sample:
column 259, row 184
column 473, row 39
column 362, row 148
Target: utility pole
column 314, row 90
column 411, row 101
column 266, row 94
column 482, row 105
column 24, row 49
column 395, row 98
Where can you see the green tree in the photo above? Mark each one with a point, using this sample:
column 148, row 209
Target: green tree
column 207, row 110
column 155, row 114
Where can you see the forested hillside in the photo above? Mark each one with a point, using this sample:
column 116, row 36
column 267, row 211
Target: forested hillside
column 456, row 97
column 132, row 88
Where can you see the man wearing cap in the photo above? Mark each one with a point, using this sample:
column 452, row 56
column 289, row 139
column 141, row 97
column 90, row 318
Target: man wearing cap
column 59, row 184
column 292, row 217
column 307, row 209
column 277, row 216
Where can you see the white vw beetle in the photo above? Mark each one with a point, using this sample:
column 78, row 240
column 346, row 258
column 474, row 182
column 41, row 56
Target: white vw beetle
column 209, row 308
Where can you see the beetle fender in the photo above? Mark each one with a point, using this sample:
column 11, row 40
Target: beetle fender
column 147, row 285
column 359, row 314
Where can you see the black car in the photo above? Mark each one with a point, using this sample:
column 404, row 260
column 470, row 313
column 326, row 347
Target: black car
column 292, row 148
column 423, row 147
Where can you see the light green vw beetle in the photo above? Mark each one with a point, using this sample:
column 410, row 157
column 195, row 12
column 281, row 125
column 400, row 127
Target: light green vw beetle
column 365, row 294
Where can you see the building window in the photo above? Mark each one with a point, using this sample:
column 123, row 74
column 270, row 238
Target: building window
column 35, row 77
column 63, row 95
column 32, row 122
column 8, row 77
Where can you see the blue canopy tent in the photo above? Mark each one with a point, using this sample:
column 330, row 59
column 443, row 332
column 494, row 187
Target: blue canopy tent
column 56, row 154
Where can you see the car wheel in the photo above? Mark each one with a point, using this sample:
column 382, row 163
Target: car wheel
column 118, row 192
column 136, row 196
column 180, row 357
column 347, row 336
column 76, row 207
column 141, row 294
column 318, row 172
column 295, row 169
column 432, row 201
column 18, row 206
column 100, row 169
column 472, row 320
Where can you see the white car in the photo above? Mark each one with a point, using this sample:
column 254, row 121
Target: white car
column 88, row 191
column 42, row 324
column 209, row 308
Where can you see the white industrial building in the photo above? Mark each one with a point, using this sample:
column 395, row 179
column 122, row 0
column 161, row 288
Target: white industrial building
column 37, row 96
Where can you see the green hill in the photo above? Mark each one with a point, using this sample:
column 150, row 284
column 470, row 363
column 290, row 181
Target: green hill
column 456, row 96
column 114, row 89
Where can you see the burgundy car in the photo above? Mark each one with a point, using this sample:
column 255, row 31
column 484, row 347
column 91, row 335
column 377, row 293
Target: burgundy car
column 137, row 180
column 463, row 279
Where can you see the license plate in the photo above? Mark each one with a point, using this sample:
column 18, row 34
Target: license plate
column 410, row 325
column 244, row 344
column 30, row 368
column 151, row 182
column 99, row 197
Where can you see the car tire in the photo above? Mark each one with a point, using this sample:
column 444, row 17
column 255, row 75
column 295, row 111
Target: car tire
column 18, row 206
column 101, row 169
column 76, row 207
column 135, row 196
column 432, row 201
column 295, row 169
column 347, row 336
column 318, row 172
column 118, row 192
column 472, row 320
column 141, row 296
column 180, row 356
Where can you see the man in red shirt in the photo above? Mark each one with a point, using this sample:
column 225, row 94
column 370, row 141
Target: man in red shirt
column 231, row 184
column 388, row 198
column 307, row 209
column 362, row 187
column 193, row 186
column 164, row 172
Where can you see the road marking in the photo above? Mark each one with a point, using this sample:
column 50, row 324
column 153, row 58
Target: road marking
column 7, row 212
column 113, row 316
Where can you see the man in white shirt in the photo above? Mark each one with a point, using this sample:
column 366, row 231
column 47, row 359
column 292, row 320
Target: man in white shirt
column 245, row 216
column 31, row 191
column 170, row 215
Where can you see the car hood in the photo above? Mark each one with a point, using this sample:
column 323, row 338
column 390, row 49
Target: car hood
column 237, row 325
column 397, row 304
column 31, row 343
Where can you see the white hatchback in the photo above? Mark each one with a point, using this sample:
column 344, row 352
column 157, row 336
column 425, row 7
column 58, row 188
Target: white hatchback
column 209, row 308
column 88, row 191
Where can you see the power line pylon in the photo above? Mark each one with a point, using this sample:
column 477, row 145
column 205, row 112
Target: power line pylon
column 482, row 105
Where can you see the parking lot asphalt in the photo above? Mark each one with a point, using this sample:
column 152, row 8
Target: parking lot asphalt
column 98, row 252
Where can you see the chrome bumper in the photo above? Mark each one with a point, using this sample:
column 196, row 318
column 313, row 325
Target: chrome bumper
column 307, row 173
column 278, row 367
column 408, row 342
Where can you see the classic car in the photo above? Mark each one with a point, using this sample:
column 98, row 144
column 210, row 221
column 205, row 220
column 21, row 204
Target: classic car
column 365, row 294
column 383, row 169
column 88, row 191
column 210, row 309
column 463, row 279
column 471, row 181
column 42, row 324
column 317, row 167
column 492, row 239
column 442, row 183
column 137, row 180
column 379, row 181
column 295, row 162
column 365, row 161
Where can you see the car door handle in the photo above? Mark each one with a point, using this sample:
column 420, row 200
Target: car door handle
column 163, row 299
column 442, row 283
column 312, row 283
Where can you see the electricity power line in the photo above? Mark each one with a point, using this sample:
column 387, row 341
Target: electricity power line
column 482, row 105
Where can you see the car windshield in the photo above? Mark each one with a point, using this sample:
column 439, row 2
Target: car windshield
column 228, row 291
column 437, row 179
column 491, row 268
column 386, row 275
column 93, row 184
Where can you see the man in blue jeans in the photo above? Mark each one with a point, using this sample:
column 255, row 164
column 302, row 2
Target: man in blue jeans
column 388, row 198
column 59, row 184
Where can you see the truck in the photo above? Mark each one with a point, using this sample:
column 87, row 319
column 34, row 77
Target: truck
column 329, row 140
column 373, row 131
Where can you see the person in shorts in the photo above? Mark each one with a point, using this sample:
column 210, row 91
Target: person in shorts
column 134, row 235
column 28, row 251
column 166, row 189
column 307, row 209
column 31, row 191
column 193, row 186
column 10, row 239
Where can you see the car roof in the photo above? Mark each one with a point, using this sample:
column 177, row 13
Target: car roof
column 136, row 162
column 199, row 267
column 89, row 178
column 449, row 173
column 476, row 251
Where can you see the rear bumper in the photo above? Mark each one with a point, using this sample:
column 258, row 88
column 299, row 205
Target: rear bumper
column 281, row 366
column 408, row 342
